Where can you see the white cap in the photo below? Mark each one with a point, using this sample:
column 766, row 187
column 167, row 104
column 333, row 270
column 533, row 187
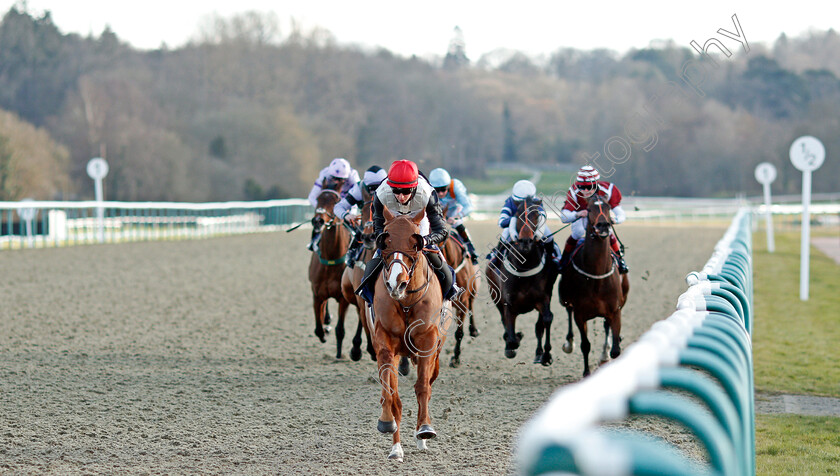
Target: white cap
column 523, row 189
column 340, row 168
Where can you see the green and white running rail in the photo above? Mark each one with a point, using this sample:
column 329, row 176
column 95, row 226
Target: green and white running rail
column 42, row 224
column 693, row 368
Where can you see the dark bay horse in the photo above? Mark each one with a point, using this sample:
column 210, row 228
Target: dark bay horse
column 467, row 278
column 407, row 321
column 521, row 281
column 327, row 265
column 352, row 278
column 592, row 286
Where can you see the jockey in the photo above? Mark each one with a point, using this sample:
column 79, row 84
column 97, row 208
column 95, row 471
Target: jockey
column 338, row 176
column 456, row 205
column 405, row 192
column 522, row 190
column 574, row 211
column 369, row 183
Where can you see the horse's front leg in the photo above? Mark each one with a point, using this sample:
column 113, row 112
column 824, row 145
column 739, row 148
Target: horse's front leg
column 584, row 343
column 319, row 304
column 391, row 415
column 339, row 326
column 569, row 345
column 512, row 338
column 546, row 317
column 604, row 355
column 615, row 325
column 539, row 329
column 428, row 366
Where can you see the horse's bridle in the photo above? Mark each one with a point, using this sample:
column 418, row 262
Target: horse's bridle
column 600, row 214
column 410, row 271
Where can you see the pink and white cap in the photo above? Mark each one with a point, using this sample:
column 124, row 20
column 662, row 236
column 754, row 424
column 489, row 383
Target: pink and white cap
column 340, row 168
column 587, row 175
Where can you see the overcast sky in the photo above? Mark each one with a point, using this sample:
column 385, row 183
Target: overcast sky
column 425, row 27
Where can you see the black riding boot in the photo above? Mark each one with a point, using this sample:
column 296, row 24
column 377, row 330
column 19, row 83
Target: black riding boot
column 553, row 253
column 355, row 244
column 465, row 235
column 316, row 234
column 622, row 266
column 365, row 289
column 444, row 274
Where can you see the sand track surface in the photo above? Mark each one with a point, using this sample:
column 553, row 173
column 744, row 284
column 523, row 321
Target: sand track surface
column 199, row 357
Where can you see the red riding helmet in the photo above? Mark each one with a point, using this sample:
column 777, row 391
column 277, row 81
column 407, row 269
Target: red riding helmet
column 403, row 174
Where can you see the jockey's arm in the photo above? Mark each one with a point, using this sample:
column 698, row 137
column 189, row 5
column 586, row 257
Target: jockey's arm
column 313, row 194
column 568, row 216
column 507, row 210
column 437, row 227
column 378, row 216
column 463, row 198
column 343, row 207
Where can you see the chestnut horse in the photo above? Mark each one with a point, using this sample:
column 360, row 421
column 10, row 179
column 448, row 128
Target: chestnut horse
column 407, row 321
column 467, row 278
column 521, row 281
column 327, row 265
column 592, row 287
column 352, row 278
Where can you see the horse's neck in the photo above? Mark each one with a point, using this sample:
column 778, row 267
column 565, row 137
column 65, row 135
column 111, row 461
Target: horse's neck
column 595, row 254
column 334, row 242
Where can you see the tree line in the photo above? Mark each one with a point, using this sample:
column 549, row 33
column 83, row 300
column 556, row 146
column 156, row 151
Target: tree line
column 246, row 111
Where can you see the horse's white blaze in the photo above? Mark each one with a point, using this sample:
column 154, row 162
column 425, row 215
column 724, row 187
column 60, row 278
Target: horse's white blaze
column 396, row 270
column 396, row 452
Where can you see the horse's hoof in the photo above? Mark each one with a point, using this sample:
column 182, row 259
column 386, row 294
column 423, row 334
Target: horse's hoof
column 403, row 368
column 355, row 354
column 568, row 347
column 538, row 358
column 454, row 362
column 614, row 353
column 426, row 432
column 320, row 336
column 396, row 453
column 547, row 359
column 474, row 332
column 586, row 372
column 388, row 427
column 510, row 353
column 327, row 329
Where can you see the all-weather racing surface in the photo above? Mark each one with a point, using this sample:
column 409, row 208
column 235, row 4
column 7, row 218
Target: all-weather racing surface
column 200, row 357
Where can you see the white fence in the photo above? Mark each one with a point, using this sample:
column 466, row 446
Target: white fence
column 52, row 224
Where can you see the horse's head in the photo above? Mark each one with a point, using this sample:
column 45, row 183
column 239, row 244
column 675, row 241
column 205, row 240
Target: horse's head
column 401, row 244
column 600, row 222
column 368, row 237
column 324, row 205
column 529, row 219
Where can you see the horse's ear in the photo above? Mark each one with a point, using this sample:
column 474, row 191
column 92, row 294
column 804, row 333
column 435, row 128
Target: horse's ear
column 537, row 201
column 418, row 242
column 380, row 240
column 387, row 214
column 419, row 217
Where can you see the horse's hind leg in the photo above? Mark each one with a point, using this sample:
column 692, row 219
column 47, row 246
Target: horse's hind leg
column 339, row 326
column 569, row 345
column 455, row 361
column 539, row 329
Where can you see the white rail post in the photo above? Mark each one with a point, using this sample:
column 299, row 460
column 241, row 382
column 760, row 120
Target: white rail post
column 765, row 173
column 807, row 154
column 97, row 169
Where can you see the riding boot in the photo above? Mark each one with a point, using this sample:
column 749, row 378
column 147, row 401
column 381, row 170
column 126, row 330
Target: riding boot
column 352, row 252
column 495, row 251
column 465, row 235
column 553, row 252
column 622, row 266
column 567, row 252
column 313, row 240
column 444, row 274
column 365, row 289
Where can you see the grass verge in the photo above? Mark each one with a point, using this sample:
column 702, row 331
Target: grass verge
column 795, row 444
column 795, row 342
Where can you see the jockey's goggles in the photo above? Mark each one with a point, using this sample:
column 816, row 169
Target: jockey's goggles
column 586, row 186
column 402, row 191
column 441, row 189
